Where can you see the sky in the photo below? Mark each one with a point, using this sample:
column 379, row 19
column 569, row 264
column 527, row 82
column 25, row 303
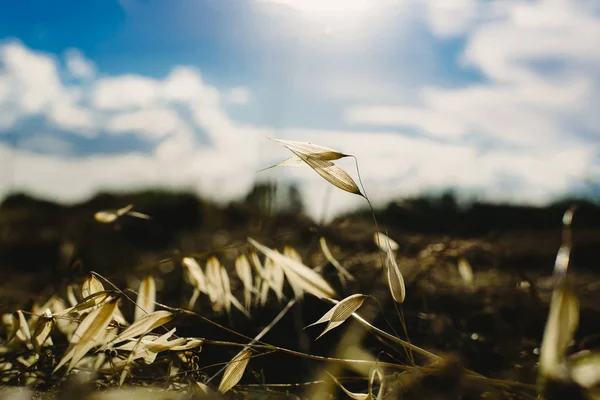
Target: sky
column 496, row 99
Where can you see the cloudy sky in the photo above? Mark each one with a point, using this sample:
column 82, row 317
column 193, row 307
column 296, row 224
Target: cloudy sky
column 499, row 99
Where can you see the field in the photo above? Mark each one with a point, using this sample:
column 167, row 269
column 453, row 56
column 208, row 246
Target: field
column 464, row 320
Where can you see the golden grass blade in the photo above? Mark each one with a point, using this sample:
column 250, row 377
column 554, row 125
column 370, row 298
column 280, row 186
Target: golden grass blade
column 465, row 271
column 71, row 295
column 90, row 286
column 561, row 324
column 312, row 150
column 195, row 274
column 106, row 217
column 355, row 396
column 263, row 294
column 236, row 303
column 87, row 303
column 293, row 161
column 340, row 312
column 94, row 326
column 42, row 331
column 299, row 275
column 260, row 271
column 226, row 290
column 139, row 215
column 15, row 325
column 193, row 299
column 191, row 343
column 234, row 371
column 332, row 174
column 244, row 272
column 23, row 333
column 342, row 273
column 292, row 253
column 586, row 370
column 124, row 210
column 213, row 283
column 275, row 278
column 146, row 298
column 383, row 241
column 144, row 325
column 395, row 278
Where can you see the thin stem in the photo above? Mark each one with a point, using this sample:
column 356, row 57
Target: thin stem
column 262, row 333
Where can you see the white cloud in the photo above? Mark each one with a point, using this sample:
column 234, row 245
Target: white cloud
column 152, row 123
column 125, row 92
column 78, row 66
column 238, row 95
column 185, row 85
column 451, row 18
column 520, row 104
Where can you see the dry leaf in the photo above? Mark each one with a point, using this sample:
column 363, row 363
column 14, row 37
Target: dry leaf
column 292, row 253
column 23, row 333
column 395, row 278
column 319, row 159
column 87, row 334
column 299, row 275
column 586, row 370
column 340, row 312
column 41, row 334
column 332, row 174
column 195, row 274
column 234, row 371
column 383, row 241
column 140, row 215
column 312, row 150
column 106, row 217
column 244, row 272
column 465, row 271
column 90, row 286
column 144, row 325
column 562, row 322
column 355, row 396
column 146, row 298
column 89, row 302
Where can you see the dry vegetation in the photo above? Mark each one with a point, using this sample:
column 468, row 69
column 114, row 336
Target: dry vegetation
column 97, row 340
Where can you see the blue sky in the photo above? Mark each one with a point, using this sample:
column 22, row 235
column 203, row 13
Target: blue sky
column 498, row 99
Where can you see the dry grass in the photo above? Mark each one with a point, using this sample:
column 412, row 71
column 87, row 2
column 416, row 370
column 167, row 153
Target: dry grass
column 90, row 336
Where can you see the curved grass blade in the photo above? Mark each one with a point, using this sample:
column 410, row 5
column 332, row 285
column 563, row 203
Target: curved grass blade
column 562, row 322
column 146, row 298
column 383, row 241
column 355, row 396
column 90, row 286
column 312, row 150
column 465, row 271
column 244, row 272
column 332, row 174
column 87, row 334
column 395, row 278
column 234, row 371
column 195, row 274
column 340, row 312
column 42, row 331
column 299, row 275
column 144, row 325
